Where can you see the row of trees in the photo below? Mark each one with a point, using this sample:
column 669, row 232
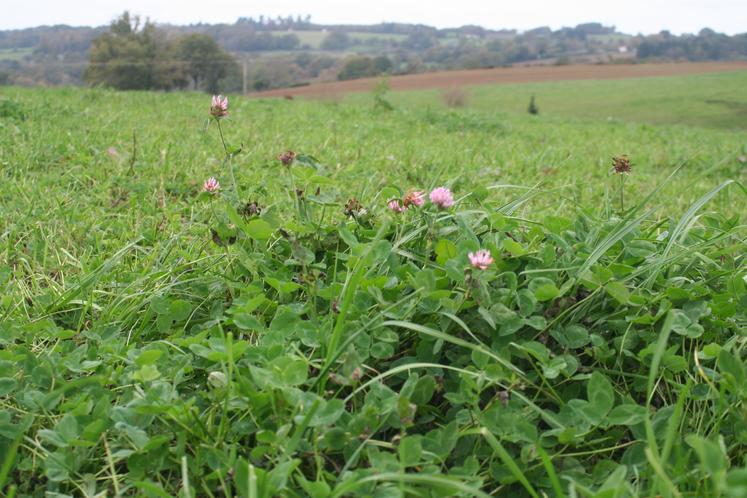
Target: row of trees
column 265, row 34
column 131, row 54
column 364, row 67
column 135, row 56
column 707, row 45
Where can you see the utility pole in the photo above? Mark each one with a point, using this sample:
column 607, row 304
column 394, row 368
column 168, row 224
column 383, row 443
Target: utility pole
column 243, row 80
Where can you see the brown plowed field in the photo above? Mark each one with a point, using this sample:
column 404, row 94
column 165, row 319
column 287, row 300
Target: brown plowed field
column 517, row 74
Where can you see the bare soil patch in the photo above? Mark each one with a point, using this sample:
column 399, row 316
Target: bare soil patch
column 517, row 74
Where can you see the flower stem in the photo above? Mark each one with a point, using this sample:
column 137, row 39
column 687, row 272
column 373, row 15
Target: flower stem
column 229, row 160
column 294, row 194
column 220, row 130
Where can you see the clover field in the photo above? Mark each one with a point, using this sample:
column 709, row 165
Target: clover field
column 291, row 335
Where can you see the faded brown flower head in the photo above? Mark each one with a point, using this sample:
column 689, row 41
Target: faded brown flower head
column 222, row 241
column 250, row 209
column 356, row 374
column 621, row 164
column 287, row 157
column 415, row 198
column 338, row 379
column 352, row 207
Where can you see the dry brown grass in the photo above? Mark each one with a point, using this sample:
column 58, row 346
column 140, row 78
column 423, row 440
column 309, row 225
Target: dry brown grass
column 454, row 97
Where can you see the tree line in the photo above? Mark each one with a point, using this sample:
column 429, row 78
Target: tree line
column 706, row 45
column 135, row 55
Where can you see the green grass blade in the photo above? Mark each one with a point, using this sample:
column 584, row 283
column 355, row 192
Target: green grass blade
column 508, row 461
column 433, row 480
column 550, row 469
column 682, row 227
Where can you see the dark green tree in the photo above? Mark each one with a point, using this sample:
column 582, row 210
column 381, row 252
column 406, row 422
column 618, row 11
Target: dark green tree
column 204, row 61
column 357, row 67
column 363, row 67
column 532, row 109
column 133, row 56
column 138, row 56
column 382, row 64
column 336, row 40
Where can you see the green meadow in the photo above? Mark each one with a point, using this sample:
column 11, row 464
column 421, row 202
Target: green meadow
column 16, row 54
column 715, row 100
column 292, row 335
column 315, row 38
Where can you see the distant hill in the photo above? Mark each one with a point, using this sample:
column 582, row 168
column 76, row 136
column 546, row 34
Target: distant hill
column 280, row 52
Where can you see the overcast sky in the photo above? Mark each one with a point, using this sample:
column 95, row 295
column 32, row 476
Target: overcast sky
column 630, row 16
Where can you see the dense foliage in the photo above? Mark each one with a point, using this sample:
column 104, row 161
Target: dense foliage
column 707, row 45
column 364, row 67
column 131, row 57
column 285, row 332
column 279, row 49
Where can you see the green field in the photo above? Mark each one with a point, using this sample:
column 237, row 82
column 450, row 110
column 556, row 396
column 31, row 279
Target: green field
column 715, row 100
column 361, row 35
column 315, row 38
column 15, row 54
column 293, row 336
column 312, row 38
